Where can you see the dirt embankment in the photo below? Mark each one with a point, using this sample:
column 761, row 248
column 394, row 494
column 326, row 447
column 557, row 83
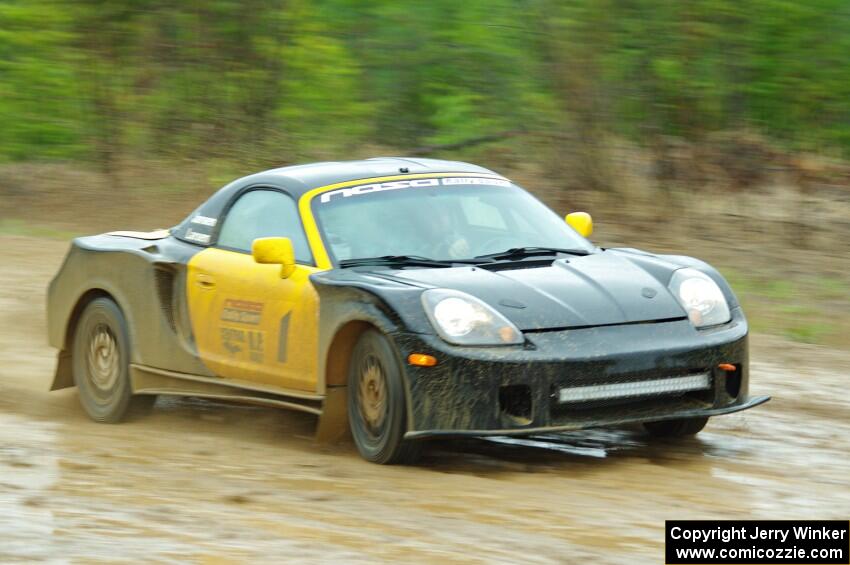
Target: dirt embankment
column 203, row 482
column 775, row 224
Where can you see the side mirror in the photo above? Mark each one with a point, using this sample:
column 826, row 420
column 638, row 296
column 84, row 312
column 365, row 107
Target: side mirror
column 275, row 251
column 581, row 222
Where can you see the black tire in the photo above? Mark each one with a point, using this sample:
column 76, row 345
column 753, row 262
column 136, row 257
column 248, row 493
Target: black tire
column 377, row 413
column 101, row 360
column 676, row 428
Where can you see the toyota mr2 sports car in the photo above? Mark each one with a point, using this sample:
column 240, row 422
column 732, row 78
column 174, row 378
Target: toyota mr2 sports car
column 400, row 299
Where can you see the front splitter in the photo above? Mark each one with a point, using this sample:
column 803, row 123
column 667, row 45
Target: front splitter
column 700, row 413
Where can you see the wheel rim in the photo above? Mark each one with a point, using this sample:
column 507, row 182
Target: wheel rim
column 372, row 394
column 103, row 359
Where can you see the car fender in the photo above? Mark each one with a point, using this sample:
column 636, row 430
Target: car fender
column 663, row 266
column 345, row 311
column 146, row 280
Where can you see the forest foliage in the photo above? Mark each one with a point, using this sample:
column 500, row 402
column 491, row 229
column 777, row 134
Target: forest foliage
column 289, row 80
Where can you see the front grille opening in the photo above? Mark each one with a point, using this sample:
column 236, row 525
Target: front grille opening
column 515, row 403
column 733, row 382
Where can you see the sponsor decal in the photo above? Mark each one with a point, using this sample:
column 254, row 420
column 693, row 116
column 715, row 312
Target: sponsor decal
column 255, row 346
column 242, row 311
column 232, row 340
column 474, row 180
column 236, row 340
column 205, row 221
column 198, row 237
column 283, row 338
column 402, row 184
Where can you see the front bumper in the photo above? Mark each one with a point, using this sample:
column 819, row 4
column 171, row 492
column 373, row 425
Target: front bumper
column 514, row 390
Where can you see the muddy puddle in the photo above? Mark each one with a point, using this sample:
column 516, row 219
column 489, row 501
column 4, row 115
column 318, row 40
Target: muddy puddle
column 207, row 482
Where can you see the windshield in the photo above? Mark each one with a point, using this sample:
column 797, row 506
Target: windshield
column 438, row 219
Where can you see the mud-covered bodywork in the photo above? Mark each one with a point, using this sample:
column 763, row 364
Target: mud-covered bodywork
column 183, row 342
column 146, row 276
column 576, row 334
column 205, row 318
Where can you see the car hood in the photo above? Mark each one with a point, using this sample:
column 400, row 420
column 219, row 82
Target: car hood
column 603, row 288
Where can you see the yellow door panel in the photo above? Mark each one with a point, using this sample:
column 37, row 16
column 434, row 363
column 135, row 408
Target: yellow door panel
column 251, row 324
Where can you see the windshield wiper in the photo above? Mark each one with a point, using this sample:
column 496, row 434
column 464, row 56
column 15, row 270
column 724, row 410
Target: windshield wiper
column 393, row 260
column 522, row 252
column 420, row 261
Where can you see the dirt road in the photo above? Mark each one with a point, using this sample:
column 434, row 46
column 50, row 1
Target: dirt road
column 202, row 482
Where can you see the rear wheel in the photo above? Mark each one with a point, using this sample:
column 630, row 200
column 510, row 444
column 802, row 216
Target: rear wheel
column 676, row 428
column 101, row 359
column 377, row 410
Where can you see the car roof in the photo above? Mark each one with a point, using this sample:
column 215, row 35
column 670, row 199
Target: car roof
column 299, row 179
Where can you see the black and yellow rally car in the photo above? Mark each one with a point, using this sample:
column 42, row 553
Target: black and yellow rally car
column 403, row 299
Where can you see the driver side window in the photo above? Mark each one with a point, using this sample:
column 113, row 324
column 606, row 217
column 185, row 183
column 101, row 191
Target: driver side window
column 264, row 213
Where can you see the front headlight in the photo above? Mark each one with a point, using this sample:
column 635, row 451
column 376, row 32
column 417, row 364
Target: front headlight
column 701, row 298
column 462, row 319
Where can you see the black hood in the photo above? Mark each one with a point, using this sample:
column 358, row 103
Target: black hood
column 599, row 289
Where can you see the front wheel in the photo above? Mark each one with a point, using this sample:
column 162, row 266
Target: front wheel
column 101, row 360
column 676, row 428
column 377, row 411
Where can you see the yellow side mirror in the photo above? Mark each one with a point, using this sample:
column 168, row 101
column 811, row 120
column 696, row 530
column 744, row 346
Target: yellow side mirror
column 275, row 251
column 581, row 222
